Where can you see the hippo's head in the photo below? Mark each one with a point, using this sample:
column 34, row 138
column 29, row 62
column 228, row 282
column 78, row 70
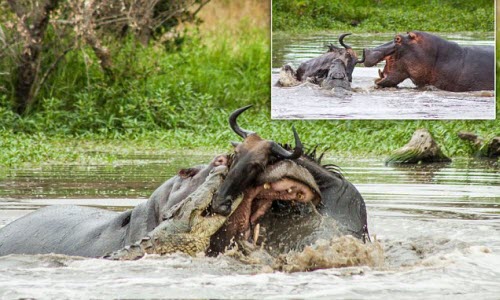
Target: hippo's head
column 406, row 56
column 281, row 192
column 250, row 159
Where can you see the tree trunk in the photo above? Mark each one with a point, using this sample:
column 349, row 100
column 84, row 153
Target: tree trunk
column 32, row 26
column 420, row 149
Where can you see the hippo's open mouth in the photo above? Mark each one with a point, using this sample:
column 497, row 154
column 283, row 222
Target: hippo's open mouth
column 386, row 52
column 388, row 68
column 285, row 182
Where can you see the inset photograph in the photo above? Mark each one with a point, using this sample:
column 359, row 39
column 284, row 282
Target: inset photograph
column 383, row 60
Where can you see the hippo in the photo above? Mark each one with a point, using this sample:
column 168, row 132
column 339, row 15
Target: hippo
column 317, row 69
column 204, row 208
column 428, row 59
column 338, row 198
column 93, row 232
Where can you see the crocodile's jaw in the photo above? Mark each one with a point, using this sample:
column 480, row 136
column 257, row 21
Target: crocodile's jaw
column 207, row 225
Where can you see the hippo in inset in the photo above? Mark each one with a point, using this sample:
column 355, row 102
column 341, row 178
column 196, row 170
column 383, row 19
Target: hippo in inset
column 430, row 60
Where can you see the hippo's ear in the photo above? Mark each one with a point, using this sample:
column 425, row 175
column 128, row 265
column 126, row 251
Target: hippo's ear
column 235, row 144
column 412, row 35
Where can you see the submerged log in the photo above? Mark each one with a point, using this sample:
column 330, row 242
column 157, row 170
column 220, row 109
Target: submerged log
column 420, row 149
column 483, row 148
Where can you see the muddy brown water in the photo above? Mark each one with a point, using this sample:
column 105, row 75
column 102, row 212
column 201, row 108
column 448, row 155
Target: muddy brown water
column 437, row 230
column 367, row 102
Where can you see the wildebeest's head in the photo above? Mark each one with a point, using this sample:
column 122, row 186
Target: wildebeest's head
column 250, row 158
column 351, row 57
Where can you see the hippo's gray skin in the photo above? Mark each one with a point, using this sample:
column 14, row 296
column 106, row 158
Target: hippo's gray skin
column 430, row 60
column 340, row 199
column 93, row 232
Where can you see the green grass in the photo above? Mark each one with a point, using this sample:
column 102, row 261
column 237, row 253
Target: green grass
column 383, row 15
column 343, row 138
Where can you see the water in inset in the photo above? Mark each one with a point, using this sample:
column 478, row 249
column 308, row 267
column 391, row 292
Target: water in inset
column 406, row 102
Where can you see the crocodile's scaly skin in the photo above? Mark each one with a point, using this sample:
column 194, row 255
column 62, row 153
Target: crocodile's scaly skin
column 187, row 229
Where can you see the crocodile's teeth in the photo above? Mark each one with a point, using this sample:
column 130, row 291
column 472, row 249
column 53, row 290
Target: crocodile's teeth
column 256, row 232
column 300, row 196
column 267, row 185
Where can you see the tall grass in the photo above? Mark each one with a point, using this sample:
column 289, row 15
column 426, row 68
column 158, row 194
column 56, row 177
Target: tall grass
column 155, row 90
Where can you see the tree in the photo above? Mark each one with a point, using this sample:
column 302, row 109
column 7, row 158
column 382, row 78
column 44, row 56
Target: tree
column 79, row 23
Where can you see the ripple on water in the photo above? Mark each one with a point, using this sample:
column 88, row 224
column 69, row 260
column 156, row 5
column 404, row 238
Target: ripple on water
column 435, row 231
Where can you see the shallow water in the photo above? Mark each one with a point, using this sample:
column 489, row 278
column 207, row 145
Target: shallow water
column 405, row 102
column 439, row 228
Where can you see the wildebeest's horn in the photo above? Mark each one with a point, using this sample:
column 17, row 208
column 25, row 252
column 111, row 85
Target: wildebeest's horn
column 360, row 61
column 341, row 40
column 297, row 152
column 234, row 126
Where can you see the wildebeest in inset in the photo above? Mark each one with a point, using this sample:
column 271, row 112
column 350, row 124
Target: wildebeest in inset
column 317, row 69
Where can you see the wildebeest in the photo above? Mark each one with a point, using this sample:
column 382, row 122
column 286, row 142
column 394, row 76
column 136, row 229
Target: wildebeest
column 317, row 69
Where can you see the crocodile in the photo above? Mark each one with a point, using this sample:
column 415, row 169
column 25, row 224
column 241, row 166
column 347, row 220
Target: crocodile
column 188, row 226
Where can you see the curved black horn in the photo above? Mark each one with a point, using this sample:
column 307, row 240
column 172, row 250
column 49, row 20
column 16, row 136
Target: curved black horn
column 234, row 126
column 297, row 152
column 362, row 60
column 341, row 40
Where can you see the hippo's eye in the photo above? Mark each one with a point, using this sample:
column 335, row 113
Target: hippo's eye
column 397, row 39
